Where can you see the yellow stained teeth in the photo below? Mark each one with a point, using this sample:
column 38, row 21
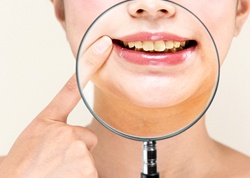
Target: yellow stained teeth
column 183, row 44
column 159, row 46
column 131, row 44
column 173, row 50
column 138, row 45
column 148, row 46
column 169, row 44
column 125, row 43
column 177, row 44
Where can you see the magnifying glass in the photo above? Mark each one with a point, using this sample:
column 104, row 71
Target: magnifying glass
column 163, row 70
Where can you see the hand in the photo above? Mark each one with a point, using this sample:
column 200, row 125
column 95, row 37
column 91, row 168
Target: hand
column 49, row 147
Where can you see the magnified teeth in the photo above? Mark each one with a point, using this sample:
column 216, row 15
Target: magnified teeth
column 131, row 44
column 169, row 44
column 183, row 43
column 173, row 50
column 160, row 46
column 125, row 43
column 148, row 46
column 138, row 45
column 177, row 44
column 157, row 46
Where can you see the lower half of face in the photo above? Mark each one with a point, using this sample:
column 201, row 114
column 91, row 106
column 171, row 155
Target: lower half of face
column 159, row 60
column 162, row 82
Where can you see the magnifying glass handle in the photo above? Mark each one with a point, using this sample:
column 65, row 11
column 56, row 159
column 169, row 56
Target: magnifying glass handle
column 150, row 176
column 149, row 160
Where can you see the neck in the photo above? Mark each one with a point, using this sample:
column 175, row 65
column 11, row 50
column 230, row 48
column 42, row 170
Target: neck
column 119, row 157
column 147, row 122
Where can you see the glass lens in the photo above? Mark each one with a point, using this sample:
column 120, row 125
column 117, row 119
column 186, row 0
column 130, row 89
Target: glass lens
column 161, row 75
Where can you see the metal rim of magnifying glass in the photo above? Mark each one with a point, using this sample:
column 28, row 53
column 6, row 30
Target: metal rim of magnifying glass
column 139, row 138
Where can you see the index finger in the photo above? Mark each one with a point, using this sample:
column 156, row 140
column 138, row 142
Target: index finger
column 64, row 102
column 93, row 59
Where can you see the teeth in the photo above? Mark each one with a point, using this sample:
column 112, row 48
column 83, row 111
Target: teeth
column 159, row 46
column 177, row 44
column 173, row 50
column 183, row 44
column 138, row 45
column 148, row 46
column 169, row 44
column 125, row 43
column 131, row 44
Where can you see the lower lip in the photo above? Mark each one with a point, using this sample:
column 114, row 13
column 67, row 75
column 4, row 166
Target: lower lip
column 156, row 59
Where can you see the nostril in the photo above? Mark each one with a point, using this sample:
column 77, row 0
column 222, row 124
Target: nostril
column 139, row 11
column 163, row 11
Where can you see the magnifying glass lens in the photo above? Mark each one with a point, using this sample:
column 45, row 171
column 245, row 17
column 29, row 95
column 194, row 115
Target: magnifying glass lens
column 161, row 75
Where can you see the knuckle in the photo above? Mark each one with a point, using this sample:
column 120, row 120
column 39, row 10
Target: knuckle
column 71, row 85
column 91, row 172
column 89, row 168
column 88, row 137
column 93, row 141
column 67, row 131
column 63, row 133
column 79, row 150
column 81, row 147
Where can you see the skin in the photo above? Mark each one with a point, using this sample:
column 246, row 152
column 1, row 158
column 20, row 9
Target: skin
column 193, row 81
column 111, row 90
column 73, row 151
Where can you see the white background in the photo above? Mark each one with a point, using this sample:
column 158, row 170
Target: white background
column 35, row 62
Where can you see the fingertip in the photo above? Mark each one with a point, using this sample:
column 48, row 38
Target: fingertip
column 102, row 45
column 93, row 58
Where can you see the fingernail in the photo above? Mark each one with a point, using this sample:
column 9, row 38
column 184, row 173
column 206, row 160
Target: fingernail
column 102, row 45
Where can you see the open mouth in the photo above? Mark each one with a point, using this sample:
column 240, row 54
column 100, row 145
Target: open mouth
column 160, row 46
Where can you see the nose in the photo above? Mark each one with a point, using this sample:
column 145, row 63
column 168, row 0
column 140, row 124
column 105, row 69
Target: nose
column 151, row 9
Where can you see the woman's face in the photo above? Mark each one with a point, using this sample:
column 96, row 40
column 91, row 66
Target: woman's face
column 154, row 73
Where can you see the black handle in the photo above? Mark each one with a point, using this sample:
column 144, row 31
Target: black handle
column 149, row 160
column 156, row 175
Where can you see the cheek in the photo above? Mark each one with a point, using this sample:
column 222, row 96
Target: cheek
column 79, row 16
column 219, row 18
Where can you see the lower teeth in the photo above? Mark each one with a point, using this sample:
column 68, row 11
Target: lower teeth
column 153, row 51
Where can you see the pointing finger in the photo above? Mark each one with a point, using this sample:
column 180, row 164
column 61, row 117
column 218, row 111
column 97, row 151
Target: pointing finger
column 69, row 96
column 93, row 59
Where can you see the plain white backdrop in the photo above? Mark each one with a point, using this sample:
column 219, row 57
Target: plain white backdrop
column 36, row 61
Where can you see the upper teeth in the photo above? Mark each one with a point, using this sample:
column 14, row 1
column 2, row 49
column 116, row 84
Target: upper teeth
column 159, row 46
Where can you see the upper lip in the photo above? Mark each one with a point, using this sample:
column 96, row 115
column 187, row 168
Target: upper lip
column 148, row 36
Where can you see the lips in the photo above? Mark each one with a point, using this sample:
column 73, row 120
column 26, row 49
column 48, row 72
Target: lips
column 154, row 48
